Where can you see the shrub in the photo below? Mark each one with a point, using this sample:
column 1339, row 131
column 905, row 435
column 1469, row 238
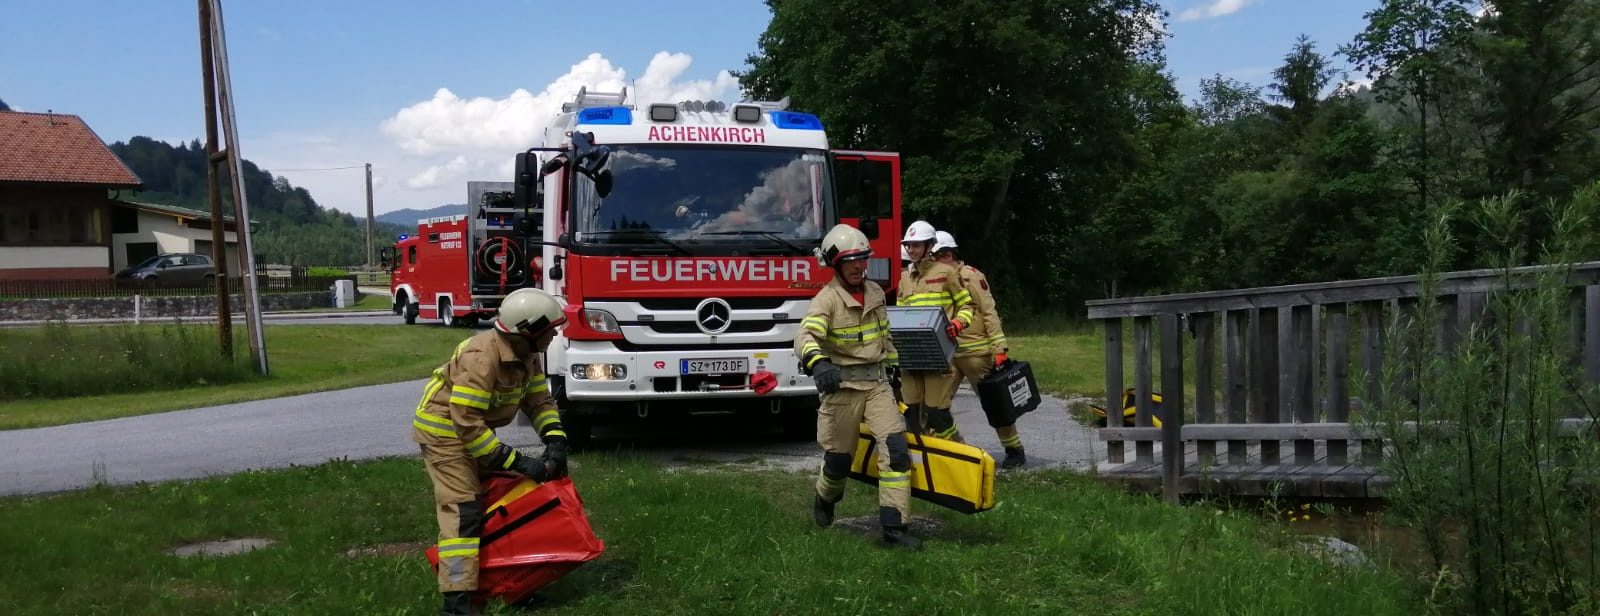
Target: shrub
column 62, row 361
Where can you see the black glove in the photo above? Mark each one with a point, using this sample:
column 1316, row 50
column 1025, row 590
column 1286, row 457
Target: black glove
column 826, row 376
column 894, row 378
column 554, row 459
column 532, row 467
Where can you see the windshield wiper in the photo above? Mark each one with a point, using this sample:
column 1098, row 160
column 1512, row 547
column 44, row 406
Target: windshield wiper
column 771, row 235
column 653, row 235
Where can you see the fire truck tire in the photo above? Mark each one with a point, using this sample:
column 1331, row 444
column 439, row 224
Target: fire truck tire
column 445, row 315
column 399, row 304
column 798, row 419
column 411, row 314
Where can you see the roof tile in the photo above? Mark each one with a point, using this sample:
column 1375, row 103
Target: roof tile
column 57, row 148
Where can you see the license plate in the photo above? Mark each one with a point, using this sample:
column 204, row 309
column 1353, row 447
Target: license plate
column 727, row 365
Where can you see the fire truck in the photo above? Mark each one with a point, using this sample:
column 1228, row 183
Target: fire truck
column 681, row 237
column 456, row 269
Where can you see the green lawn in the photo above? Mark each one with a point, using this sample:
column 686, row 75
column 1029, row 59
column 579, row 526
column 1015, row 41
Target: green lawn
column 702, row 539
column 303, row 358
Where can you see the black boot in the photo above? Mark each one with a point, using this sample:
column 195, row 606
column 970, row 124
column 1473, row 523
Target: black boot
column 1014, row 458
column 895, row 531
column 458, row 604
column 822, row 512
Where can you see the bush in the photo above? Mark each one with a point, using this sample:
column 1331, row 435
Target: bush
column 61, row 361
column 326, row 272
column 1504, row 497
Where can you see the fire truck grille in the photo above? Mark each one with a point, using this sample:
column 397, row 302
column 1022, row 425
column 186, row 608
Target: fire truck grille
column 736, row 303
column 689, row 327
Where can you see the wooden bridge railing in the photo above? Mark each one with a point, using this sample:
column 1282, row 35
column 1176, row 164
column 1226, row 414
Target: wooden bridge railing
column 1285, row 376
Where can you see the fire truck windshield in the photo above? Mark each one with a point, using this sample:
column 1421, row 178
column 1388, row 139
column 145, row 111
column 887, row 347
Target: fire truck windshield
column 705, row 198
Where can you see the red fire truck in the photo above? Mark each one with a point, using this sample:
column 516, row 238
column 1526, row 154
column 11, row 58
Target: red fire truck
column 456, row 269
column 681, row 238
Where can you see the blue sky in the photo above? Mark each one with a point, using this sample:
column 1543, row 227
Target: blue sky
column 434, row 94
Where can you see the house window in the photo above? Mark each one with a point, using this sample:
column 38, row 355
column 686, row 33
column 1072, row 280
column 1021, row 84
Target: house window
column 124, row 220
column 47, row 225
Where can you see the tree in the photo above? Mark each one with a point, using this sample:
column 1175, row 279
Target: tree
column 4, row 106
column 1300, row 82
column 1013, row 117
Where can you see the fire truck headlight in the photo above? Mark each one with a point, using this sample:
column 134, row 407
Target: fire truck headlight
column 598, row 372
column 600, row 321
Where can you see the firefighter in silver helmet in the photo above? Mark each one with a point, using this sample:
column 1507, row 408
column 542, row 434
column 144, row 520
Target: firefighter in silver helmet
column 928, row 393
column 981, row 348
column 844, row 345
column 489, row 378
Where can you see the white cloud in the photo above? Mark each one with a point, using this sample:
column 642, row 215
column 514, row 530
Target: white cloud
column 423, row 154
column 438, row 174
column 1214, row 8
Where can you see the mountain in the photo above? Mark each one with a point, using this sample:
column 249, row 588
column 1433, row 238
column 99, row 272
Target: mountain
column 408, row 217
column 291, row 227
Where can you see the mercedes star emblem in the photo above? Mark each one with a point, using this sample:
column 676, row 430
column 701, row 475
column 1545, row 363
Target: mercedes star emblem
column 713, row 316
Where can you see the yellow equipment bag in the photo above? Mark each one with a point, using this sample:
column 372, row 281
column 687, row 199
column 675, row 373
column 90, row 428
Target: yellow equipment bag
column 946, row 473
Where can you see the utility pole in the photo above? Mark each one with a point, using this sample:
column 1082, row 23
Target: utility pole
column 223, row 88
column 219, row 247
column 371, row 259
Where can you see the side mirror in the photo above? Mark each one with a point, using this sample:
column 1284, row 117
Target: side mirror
column 553, row 165
column 526, row 184
column 603, row 183
column 869, row 227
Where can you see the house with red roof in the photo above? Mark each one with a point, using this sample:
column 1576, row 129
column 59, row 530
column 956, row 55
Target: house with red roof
column 58, row 218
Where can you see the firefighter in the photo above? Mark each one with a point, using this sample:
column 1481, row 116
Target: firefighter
column 488, row 379
column 981, row 348
column 844, row 346
column 927, row 393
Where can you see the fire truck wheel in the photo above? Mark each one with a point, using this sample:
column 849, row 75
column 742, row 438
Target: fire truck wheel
column 445, row 315
column 399, row 304
column 798, row 420
column 411, row 314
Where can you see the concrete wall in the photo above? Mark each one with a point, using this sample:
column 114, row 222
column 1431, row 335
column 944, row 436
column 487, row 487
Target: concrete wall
column 149, row 307
column 52, row 262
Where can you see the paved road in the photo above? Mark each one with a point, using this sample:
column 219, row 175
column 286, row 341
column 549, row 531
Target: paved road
column 372, row 422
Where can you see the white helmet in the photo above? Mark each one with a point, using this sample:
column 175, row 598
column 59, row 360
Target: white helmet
column 919, row 231
column 843, row 243
column 943, row 241
column 530, row 311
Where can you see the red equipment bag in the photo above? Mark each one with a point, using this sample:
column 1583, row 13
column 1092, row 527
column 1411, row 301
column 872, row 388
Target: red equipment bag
column 533, row 534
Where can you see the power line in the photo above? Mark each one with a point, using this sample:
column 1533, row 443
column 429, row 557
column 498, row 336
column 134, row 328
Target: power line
column 321, row 169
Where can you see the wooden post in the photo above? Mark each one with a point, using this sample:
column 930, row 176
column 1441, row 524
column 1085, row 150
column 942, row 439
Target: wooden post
column 1591, row 335
column 1304, row 404
column 1113, row 327
column 1172, row 454
column 1338, row 401
column 1205, row 351
column 1144, row 451
column 371, row 257
column 219, row 244
column 1235, row 397
column 1372, row 365
column 1264, row 388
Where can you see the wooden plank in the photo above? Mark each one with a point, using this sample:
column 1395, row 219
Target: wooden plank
column 1346, row 291
column 1205, row 351
column 1113, row 352
column 1172, row 446
column 1264, row 386
column 1238, row 451
column 1311, row 373
column 1470, row 310
column 1274, row 432
column 1129, row 434
column 1371, row 353
column 1304, row 408
column 1591, row 335
column 1288, row 363
column 1337, row 405
column 1141, row 385
column 1235, row 375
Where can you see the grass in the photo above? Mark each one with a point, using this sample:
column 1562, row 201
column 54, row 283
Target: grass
column 303, row 359
column 59, row 361
column 687, row 540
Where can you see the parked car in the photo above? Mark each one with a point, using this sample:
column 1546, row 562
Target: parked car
column 172, row 270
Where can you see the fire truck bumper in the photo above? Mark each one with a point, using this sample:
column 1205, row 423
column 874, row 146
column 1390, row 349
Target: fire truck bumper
column 592, row 373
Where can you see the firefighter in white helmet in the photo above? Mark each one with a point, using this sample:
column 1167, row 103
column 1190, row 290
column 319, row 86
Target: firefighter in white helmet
column 981, row 348
column 844, row 345
column 928, row 393
column 488, row 379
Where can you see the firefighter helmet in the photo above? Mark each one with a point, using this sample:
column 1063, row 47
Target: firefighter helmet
column 943, row 241
column 529, row 311
column 919, row 231
column 843, row 243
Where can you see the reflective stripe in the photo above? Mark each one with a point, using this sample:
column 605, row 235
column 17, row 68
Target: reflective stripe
column 560, row 433
column 950, row 433
column 891, row 479
column 538, row 383
column 511, row 459
column 546, row 418
column 458, row 548
column 1014, row 442
column 831, row 482
column 973, row 345
column 433, row 425
column 484, row 444
column 467, row 396
column 817, row 324
column 859, row 333
column 814, row 359
column 432, row 388
column 940, row 298
column 998, row 340
column 508, row 396
column 810, row 346
column 965, row 316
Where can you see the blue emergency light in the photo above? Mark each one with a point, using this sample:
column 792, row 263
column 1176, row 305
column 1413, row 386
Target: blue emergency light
column 403, row 237
column 621, row 116
column 796, row 120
